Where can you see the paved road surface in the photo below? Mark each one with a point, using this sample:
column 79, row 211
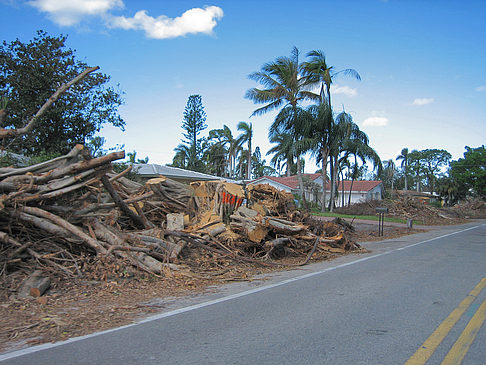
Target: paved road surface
column 417, row 295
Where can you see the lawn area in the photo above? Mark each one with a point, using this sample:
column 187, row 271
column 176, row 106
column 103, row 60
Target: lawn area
column 366, row 217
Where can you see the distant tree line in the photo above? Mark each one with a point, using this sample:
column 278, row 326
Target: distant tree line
column 432, row 170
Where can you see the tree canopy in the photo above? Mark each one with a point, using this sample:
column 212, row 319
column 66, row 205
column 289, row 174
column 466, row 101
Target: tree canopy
column 470, row 172
column 30, row 73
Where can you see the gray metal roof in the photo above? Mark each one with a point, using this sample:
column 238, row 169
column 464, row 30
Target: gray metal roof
column 153, row 170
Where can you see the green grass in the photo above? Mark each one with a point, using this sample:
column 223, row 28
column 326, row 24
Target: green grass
column 365, row 217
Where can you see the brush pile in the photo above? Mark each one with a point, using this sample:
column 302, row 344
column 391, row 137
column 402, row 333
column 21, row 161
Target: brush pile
column 60, row 215
column 406, row 207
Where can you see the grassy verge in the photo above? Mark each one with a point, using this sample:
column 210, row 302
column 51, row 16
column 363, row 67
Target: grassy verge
column 365, row 217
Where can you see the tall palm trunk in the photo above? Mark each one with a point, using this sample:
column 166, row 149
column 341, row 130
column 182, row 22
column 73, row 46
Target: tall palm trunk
column 406, row 183
column 406, row 179
column 350, row 190
column 248, row 166
column 324, row 180
column 241, row 169
column 342, row 189
column 333, row 183
column 301, row 183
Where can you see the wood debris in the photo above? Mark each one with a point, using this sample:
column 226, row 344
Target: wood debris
column 58, row 215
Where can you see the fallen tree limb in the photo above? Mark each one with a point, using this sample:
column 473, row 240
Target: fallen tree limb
column 121, row 204
column 63, row 225
column 4, row 133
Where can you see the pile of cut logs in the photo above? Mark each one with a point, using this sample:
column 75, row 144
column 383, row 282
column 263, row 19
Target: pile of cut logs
column 58, row 212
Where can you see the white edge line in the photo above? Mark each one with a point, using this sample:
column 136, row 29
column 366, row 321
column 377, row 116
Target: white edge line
column 219, row 300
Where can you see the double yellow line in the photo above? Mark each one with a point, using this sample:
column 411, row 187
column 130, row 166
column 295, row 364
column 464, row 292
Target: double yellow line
column 460, row 348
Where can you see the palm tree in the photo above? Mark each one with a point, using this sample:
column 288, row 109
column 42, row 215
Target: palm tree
column 321, row 122
column 318, row 71
column 246, row 137
column 356, row 146
column 356, row 171
column 235, row 150
column 404, row 165
column 294, row 121
column 390, row 171
column 224, row 138
column 215, row 159
column 283, row 154
column 284, row 84
column 182, row 156
column 347, row 139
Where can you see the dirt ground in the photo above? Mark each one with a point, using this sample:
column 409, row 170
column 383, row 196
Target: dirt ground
column 80, row 307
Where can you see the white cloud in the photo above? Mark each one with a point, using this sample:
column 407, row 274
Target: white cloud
column 71, row 12
column 346, row 90
column 481, row 88
column 377, row 119
column 375, row 122
column 423, row 101
column 196, row 20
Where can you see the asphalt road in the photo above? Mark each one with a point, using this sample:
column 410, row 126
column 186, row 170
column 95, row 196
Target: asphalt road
column 377, row 308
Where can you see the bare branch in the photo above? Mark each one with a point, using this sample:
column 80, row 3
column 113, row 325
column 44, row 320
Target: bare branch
column 4, row 133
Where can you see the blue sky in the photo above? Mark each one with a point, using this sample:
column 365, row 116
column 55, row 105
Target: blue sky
column 422, row 63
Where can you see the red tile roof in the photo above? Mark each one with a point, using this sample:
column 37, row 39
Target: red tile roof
column 359, row 185
column 293, row 183
column 290, row 181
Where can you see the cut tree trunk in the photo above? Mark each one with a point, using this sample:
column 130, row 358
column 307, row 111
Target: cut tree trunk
column 35, row 285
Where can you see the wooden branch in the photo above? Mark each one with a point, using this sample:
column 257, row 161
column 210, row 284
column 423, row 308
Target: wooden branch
column 146, row 222
column 70, row 180
column 4, row 133
column 81, row 166
column 310, row 253
column 21, row 249
column 140, row 259
column 153, row 241
column 121, row 174
column 43, row 166
column 66, row 226
column 121, row 204
column 62, row 171
column 128, row 248
column 131, row 185
column 99, row 206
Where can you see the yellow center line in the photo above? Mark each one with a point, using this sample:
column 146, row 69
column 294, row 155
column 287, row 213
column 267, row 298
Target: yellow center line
column 461, row 347
column 430, row 345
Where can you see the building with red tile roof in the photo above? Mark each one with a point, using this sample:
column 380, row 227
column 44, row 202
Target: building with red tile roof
column 360, row 190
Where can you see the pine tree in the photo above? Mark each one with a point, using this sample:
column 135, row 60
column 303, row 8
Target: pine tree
column 193, row 124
